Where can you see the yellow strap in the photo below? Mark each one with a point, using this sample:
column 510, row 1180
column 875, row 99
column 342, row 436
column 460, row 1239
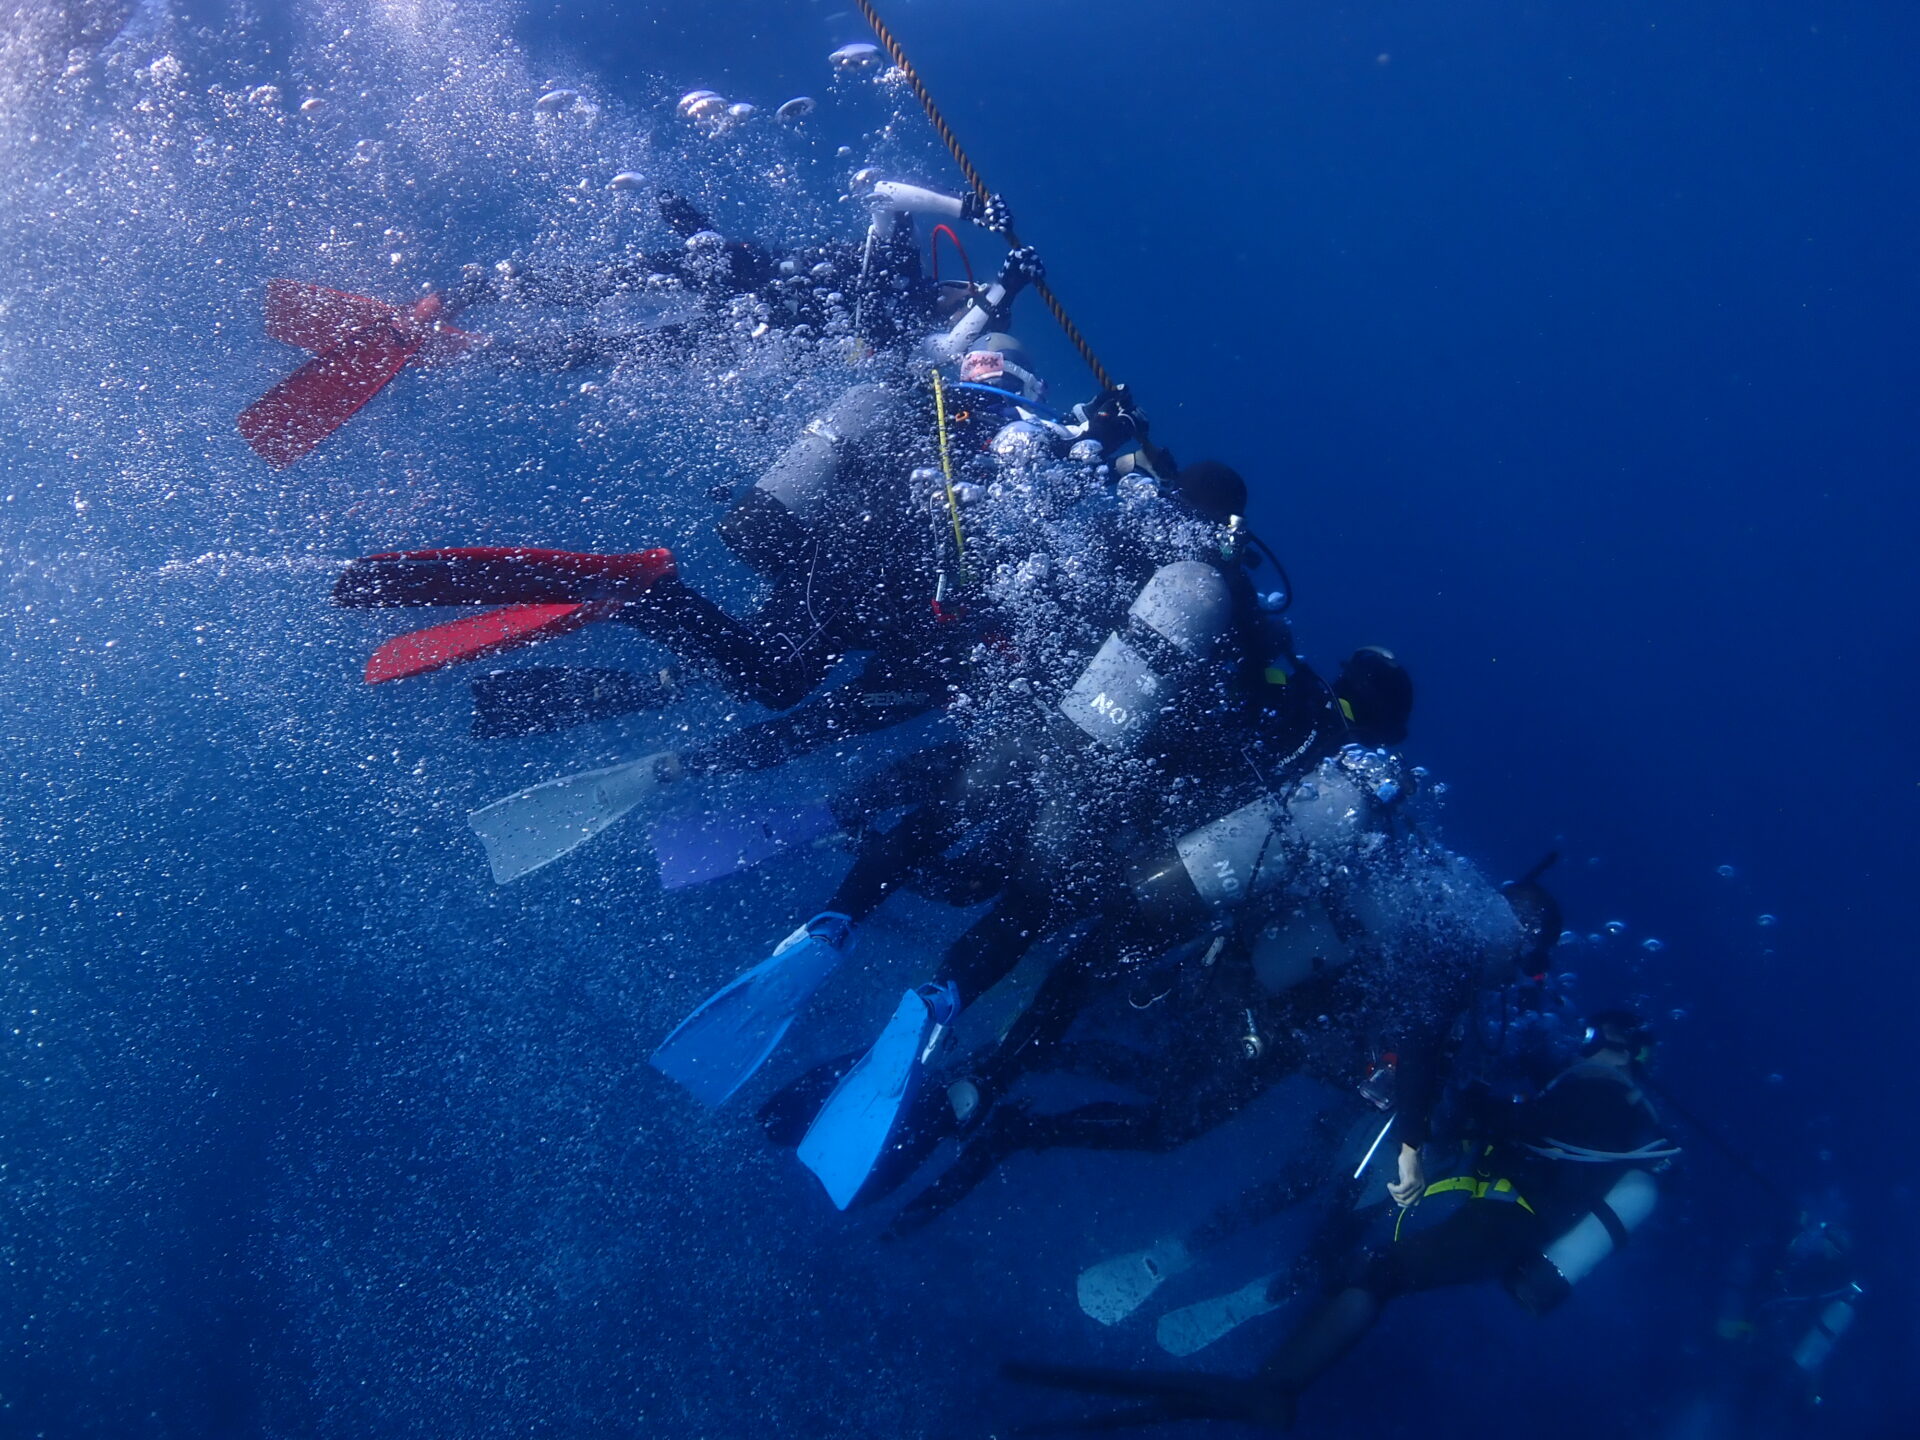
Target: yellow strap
column 946, row 471
column 1475, row 1189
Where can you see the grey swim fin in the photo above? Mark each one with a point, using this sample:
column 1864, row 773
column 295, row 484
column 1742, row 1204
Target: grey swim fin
column 1192, row 1328
column 1114, row 1289
column 856, row 1126
column 717, row 1048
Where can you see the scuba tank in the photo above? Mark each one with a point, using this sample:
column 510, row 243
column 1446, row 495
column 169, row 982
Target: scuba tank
column 1260, row 845
column 794, row 496
column 1138, row 674
column 1833, row 1321
column 1543, row 1282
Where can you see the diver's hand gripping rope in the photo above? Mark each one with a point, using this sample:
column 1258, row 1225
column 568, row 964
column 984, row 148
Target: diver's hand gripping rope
column 897, row 53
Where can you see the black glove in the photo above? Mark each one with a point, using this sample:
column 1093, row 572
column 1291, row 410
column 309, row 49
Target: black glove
column 992, row 213
column 1112, row 419
column 1023, row 267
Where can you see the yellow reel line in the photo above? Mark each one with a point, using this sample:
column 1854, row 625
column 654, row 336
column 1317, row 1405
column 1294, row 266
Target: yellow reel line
column 946, row 472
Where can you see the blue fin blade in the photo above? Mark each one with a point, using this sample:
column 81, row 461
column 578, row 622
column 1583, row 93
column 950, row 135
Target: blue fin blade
column 856, row 1125
column 693, row 849
column 717, row 1049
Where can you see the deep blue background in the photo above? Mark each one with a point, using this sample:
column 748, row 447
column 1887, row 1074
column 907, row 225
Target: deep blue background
column 1569, row 352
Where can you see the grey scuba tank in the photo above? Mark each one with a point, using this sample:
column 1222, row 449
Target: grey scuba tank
column 1140, row 672
column 802, row 478
column 1833, row 1321
column 1544, row 1281
column 1257, row 847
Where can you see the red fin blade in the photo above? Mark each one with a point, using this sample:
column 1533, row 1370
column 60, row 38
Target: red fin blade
column 322, row 395
column 498, row 575
column 319, row 319
column 476, row 637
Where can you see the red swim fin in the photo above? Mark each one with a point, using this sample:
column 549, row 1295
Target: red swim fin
column 318, row 319
column 498, row 575
column 362, row 343
column 478, row 636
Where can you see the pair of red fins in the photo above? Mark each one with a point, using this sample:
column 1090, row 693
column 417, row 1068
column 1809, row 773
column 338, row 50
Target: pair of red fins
column 360, row 344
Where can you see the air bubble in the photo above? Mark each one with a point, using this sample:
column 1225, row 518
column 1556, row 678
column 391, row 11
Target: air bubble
column 1653, row 946
column 1615, row 927
column 1769, row 921
column 1726, row 872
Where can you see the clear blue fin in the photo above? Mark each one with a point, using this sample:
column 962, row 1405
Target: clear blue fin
column 717, row 1048
column 693, row 849
column 854, row 1128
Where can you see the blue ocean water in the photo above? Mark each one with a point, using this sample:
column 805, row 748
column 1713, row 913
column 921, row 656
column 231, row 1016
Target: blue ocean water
column 1567, row 352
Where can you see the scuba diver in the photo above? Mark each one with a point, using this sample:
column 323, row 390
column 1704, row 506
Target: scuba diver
column 1559, row 1186
column 874, row 290
column 834, row 525
column 360, row 344
column 1044, row 787
column 1783, row 1322
column 1362, row 987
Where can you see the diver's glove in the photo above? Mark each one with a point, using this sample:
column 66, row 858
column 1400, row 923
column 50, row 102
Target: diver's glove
column 1111, row 419
column 992, row 213
column 1023, row 267
column 1413, row 1178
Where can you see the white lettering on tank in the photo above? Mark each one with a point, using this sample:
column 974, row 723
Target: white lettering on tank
column 1104, row 706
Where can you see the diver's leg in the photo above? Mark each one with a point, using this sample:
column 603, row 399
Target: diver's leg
column 843, row 713
column 1304, row 1173
column 693, row 627
column 587, row 349
column 884, row 860
column 1479, row 1242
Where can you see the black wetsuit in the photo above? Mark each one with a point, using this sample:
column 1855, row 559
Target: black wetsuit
column 807, row 291
column 1390, row 1017
column 1593, row 1105
column 1501, row 1227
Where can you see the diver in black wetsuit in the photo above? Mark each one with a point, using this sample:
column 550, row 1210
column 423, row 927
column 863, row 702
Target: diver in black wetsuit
column 1557, row 1189
column 1233, row 1038
column 876, row 288
column 1781, row 1323
column 840, row 525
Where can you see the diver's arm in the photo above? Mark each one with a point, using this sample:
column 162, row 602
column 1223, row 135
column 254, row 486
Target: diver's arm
column 988, row 309
column 895, row 197
column 1416, row 1086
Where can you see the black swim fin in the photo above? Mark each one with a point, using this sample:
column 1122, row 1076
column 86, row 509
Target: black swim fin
column 541, row 699
column 1169, row 1395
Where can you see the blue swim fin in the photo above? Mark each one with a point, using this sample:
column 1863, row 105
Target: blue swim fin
column 693, row 849
column 857, row 1125
column 717, row 1048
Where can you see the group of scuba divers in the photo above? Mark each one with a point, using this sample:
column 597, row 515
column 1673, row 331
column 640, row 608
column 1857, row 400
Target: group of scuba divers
column 1161, row 814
